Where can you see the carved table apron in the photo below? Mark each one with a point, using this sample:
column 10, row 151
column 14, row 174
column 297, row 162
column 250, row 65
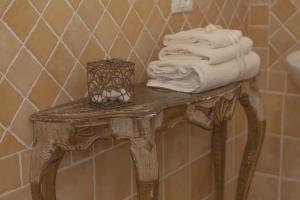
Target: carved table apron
column 76, row 125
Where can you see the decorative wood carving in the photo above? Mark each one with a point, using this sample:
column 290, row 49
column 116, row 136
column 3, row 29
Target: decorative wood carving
column 75, row 126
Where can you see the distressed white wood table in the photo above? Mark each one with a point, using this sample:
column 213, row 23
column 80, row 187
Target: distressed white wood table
column 76, row 125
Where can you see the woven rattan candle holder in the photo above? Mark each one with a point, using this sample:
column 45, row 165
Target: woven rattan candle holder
column 111, row 83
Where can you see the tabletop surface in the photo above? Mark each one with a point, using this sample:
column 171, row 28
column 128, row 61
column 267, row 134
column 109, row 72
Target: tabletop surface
column 147, row 101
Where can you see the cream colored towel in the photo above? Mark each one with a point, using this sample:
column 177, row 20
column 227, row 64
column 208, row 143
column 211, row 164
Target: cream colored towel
column 194, row 77
column 210, row 56
column 211, row 37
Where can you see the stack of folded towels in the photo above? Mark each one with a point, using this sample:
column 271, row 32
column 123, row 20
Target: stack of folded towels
column 202, row 59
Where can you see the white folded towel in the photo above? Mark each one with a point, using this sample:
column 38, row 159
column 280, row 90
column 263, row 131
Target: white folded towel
column 197, row 76
column 210, row 56
column 210, row 37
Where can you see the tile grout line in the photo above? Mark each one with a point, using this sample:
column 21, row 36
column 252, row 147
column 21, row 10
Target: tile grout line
column 281, row 146
column 13, row 154
column 91, row 157
column 7, row 8
column 20, row 168
column 186, row 164
column 14, row 190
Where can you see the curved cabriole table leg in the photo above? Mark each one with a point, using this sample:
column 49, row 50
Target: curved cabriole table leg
column 44, row 172
column 219, row 149
column 223, row 111
column 144, row 154
column 45, row 160
column 252, row 104
column 214, row 114
column 141, row 134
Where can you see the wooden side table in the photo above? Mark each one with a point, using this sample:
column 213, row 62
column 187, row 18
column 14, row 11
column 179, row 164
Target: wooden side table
column 76, row 125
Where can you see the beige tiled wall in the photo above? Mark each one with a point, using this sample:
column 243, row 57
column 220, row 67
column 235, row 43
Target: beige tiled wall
column 44, row 45
column 274, row 26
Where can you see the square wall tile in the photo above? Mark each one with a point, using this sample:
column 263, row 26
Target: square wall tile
column 21, row 17
column 277, row 81
column 76, row 36
column 119, row 10
column 269, row 161
column 259, row 15
column 177, row 185
column 273, row 109
column 263, row 188
column 60, row 64
column 259, row 35
column 200, row 141
column 230, row 190
column 41, row 42
column 132, row 33
column 113, row 174
column 282, row 40
column 291, row 116
column 72, row 186
column 9, row 102
column 24, row 64
column 9, row 46
column 90, row 11
column 44, row 91
column 77, row 83
column 10, row 145
column 9, row 173
column 24, row 194
column 290, row 190
column 92, row 52
column 108, row 36
column 292, row 86
column 176, row 147
column 292, row 25
column 201, row 178
column 58, row 14
column 291, row 159
column 283, row 9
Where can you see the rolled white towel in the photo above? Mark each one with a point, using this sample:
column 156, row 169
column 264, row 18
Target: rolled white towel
column 195, row 77
column 211, row 37
column 210, row 56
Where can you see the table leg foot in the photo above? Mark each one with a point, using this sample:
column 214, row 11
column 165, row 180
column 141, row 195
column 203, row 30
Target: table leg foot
column 252, row 105
column 143, row 151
